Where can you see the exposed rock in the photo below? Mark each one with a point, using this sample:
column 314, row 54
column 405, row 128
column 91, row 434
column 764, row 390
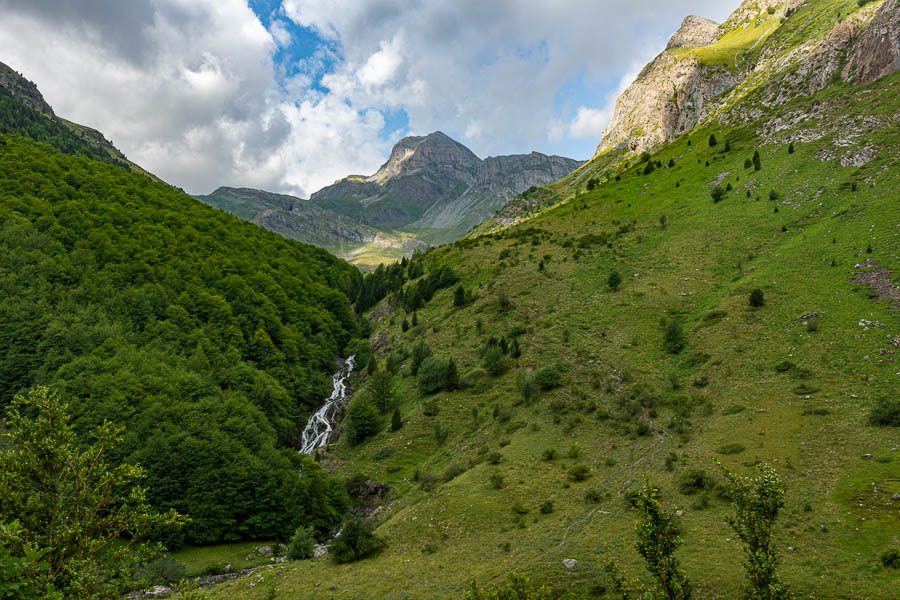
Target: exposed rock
column 695, row 31
column 23, row 90
column 570, row 563
column 157, row 591
column 876, row 52
column 320, row 550
column 858, row 157
column 667, row 99
column 265, row 551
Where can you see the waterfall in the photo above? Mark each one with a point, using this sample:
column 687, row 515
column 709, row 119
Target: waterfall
column 319, row 427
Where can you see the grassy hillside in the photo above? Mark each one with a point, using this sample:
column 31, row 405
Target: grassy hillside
column 471, row 469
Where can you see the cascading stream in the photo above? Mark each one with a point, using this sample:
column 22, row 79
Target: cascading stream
column 319, row 427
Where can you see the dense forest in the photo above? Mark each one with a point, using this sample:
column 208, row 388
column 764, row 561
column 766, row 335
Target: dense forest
column 207, row 337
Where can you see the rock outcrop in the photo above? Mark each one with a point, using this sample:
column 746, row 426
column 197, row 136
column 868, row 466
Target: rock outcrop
column 23, row 90
column 695, row 31
column 667, row 99
column 876, row 51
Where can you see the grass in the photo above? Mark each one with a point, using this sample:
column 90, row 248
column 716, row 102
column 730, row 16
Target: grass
column 617, row 379
column 201, row 560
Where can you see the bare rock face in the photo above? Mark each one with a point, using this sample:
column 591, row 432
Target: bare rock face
column 876, row 52
column 695, row 31
column 667, row 99
column 23, row 90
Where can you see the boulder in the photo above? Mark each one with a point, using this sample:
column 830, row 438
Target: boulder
column 570, row 563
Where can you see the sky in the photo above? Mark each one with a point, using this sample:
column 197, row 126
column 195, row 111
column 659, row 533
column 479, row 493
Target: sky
column 292, row 95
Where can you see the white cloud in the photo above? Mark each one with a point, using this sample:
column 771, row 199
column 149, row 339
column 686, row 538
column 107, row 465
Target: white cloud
column 189, row 88
column 590, row 123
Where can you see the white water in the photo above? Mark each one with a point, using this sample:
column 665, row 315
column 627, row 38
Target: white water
column 319, row 427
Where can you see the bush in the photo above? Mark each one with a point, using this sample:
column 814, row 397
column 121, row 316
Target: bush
column 432, row 376
column 886, row 413
column 496, row 480
column 165, row 570
column 791, row 148
column 712, row 140
column 525, row 384
column 549, row 377
column 493, row 360
column 396, row 420
column 695, row 480
column 757, row 298
column 356, row 541
column 303, row 544
column 549, row 454
column 546, row 507
column 890, row 559
column 717, row 193
column 731, row 449
column 453, row 471
column 579, row 472
column 614, row 280
column 517, row 587
column 494, row 458
column 593, row 496
column 674, row 338
column 420, row 352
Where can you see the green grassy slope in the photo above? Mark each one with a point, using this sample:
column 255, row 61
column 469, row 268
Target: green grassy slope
column 627, row 407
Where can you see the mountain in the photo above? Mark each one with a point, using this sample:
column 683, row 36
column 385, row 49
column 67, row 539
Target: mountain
column 731, row 293
column 434, row 182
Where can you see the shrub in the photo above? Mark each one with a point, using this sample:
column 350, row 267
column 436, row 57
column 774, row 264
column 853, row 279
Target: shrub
column 357, row 541
column 614, row 280
column 432, row 376
column 420, row 352
column 303, row 544
column 496, row 480
column 748, row 163
column 712, row 140
column 717, row 193
column 731, row 449
column 728, row 187
column 493, row 360
column 517, row 587
column 546, row 507
column 164, row 570
column 890, row 559
column 459, row 297
column 791, row 148
column 693, row 481
column 757, row 161
column 548, row 377
column 757, row 298
column 579, row 472
column 453, row 471
column 549, row 454
column 494, row 458
column 674, row 338
column 886, row 413
column 524, row 383
column 593, row 496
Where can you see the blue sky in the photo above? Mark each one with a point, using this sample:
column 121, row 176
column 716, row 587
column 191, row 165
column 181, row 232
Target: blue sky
column 290, row 95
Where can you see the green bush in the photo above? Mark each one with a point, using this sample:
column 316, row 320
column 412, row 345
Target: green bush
column 674, row 339
column 548, row 377
column 525, row 384
column 517, row 587
column 712, row 140
column 757, row 298
column 693, row 481
column 432, row 376
column 614, row 280
column 165, row 570
column 890, row 559
column 886, row 413
column 717, row 193
column 549, row 454
column 579, row 472
column 496, row 480
column 731, row 449
column 420, row 352
column 396, row 420
column 303, row 544
column 493, row 360
column 546, row 507
column 356, row 541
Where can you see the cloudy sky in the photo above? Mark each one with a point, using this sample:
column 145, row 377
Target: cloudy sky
column 290, row 95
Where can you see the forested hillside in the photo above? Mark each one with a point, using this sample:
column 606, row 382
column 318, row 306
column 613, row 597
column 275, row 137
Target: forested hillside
column 207, row 337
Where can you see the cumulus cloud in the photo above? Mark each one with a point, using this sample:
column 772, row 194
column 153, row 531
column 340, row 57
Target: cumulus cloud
column 191, row 90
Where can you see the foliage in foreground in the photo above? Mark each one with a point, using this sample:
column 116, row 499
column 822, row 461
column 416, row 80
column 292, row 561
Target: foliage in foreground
column 517, row 587
column 89, row 519
column 356, row 541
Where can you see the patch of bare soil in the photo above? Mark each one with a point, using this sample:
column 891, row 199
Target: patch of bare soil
column 880, row 280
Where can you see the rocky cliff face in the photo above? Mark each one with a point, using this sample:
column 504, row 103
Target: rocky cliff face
column 434, row 182
column 678, row 91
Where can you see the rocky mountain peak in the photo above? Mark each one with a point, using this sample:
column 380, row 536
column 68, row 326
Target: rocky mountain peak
column 695, row 31
column 435, row 151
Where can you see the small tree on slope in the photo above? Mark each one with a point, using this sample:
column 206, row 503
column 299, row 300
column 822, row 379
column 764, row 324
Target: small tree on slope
column 756, row 503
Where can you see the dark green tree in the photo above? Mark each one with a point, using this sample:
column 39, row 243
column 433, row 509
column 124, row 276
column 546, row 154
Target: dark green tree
column 717, row 193
column 459, row 297
column 396, row 420
column 380, row 386
column 757, row 161
column 362, row 420
column 712, row 140
column 674, row 339
column 84, row 522
column 432, row 375
column 614, row 280
column 757, row 298
column 420, row 352
column 452, row 376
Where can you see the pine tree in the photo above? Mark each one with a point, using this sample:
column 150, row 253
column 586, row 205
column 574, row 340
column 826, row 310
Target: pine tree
column 757, row 161
column 712, row 140
column 372, row 367
column 727, row 146
column 791, row 148
column 415, row 319
column 459, row 297
column 452, row 377
column 396, row 420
